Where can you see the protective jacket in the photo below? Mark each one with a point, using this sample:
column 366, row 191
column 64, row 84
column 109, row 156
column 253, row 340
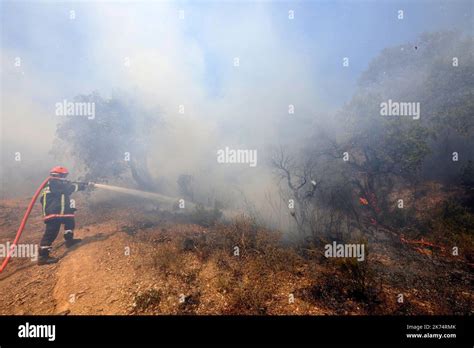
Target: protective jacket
column 56, row 200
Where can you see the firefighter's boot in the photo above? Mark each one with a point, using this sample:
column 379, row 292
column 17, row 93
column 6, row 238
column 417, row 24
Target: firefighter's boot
column 44, row 258
column 70, row 240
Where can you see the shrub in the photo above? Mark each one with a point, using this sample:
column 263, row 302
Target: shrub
column 150, row 299
column 205, row 217
column 166, row 259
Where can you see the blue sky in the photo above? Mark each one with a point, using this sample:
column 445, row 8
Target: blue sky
column 325, row 31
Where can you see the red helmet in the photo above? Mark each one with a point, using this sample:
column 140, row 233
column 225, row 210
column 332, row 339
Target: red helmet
column 59, row 171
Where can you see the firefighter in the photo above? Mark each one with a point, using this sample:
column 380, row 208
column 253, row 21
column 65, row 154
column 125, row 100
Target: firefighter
column 57, row 211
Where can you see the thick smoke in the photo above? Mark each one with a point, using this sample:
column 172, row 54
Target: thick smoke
column 220, row 74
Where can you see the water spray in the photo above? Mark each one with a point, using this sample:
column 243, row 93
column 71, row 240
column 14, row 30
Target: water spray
column 148, row 195
column 159, row 198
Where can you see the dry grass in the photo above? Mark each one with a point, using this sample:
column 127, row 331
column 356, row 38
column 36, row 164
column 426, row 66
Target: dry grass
column 201, row 264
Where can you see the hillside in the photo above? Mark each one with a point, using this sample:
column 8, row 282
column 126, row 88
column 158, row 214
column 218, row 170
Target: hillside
column 134, row 261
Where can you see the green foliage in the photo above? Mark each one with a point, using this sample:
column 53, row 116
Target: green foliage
column 404, row 148
column 100, row 144
column 390, row 151
column 425, row 75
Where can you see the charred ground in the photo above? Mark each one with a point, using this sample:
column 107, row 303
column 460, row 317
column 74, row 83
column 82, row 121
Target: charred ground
column 134, row 261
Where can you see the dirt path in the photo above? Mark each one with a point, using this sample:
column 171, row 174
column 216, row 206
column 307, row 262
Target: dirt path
column 91, row 278
column 29, row 291
column 78, row 284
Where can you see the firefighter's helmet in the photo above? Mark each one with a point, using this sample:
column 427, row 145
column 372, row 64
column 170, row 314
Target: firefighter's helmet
column 59, row 171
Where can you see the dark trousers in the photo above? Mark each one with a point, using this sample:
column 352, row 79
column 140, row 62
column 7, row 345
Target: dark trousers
column 52, row 229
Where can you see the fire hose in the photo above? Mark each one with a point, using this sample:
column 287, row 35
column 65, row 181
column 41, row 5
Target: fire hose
column 23, row 223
